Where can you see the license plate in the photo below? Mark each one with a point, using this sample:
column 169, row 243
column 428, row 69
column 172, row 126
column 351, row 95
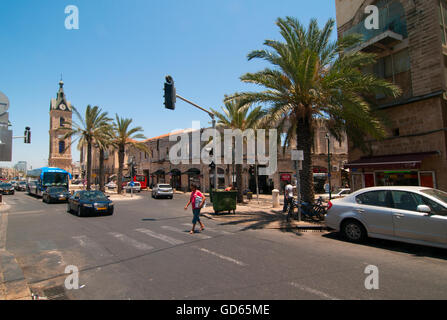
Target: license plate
column 62, row 198
column 101, row 208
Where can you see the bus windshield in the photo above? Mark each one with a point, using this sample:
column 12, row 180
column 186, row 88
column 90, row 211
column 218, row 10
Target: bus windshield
column 55, row 179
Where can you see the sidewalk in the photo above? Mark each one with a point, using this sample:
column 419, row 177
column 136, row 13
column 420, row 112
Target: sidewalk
column 260, row 214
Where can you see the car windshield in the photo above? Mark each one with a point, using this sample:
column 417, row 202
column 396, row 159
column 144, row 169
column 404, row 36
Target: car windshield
column 55, row 179
column 22, row 183
column 57, row 189
column 93, row 195
column 6, row 185
column 165, row 186
column 438, row 194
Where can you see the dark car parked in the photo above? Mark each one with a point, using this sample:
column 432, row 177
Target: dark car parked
column 55, row 194
column 6, row 188
column 20, row 186
column 91, row 202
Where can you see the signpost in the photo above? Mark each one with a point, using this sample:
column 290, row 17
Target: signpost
column 298, row 157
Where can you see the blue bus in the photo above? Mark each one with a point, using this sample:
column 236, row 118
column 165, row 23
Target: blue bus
column 40, row 179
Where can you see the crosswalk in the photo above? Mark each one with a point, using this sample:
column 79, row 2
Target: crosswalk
column 142, row 239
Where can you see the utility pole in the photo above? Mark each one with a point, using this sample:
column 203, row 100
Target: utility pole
column 329, row 164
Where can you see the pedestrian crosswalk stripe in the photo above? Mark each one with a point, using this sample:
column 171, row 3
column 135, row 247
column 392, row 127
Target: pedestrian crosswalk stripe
column 197, row 235
column 210, row 229
column 221, row 256
column 159, row 236
column 91, row 245
column 132, row 242
column 314, row 291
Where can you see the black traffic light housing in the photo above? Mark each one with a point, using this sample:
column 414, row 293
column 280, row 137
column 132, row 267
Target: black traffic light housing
column 27, row 138
column 170, row 93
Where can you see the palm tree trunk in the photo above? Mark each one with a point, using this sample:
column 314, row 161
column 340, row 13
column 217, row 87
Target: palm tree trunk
column 89, row 165
column 239, row 183
column 304, row 142
column 120, row 168
column 101, row 170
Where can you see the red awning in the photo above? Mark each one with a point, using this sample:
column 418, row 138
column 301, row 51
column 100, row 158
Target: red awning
column 398, row 161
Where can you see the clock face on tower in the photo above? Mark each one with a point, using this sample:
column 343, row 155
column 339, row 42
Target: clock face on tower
column 62, row 106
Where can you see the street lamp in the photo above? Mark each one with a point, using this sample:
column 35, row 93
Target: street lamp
column 329, row 164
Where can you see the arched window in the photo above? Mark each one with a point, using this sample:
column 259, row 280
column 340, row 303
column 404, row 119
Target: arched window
column 61, row 147
column 62, row 121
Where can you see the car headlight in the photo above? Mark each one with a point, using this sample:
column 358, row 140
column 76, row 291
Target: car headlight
column 111, row 203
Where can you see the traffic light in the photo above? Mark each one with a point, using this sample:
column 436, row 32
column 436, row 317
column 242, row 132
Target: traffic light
column 251, row 170
column 27, row 138
column 170, row 93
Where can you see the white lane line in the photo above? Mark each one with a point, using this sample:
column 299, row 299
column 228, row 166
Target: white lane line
column 91, row 245
column 159, row 236
column 132, row 242
column 314, row 291
column 29, row 212
column 239, row 263
column 197, row 235
column 209, row 229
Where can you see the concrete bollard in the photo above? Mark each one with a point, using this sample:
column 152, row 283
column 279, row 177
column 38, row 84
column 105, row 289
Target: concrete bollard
column 275, row 198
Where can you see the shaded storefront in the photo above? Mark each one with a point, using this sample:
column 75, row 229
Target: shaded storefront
column 176, row 179
column 194, row 176
column 393, row 170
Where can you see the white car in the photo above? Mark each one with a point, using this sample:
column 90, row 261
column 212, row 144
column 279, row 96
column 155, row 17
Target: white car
column 415, row 215
column 111, row 185
column 162, row 190
column 342, row 192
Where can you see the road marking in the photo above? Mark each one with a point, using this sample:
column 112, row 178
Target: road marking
column 209, row 229
column 134, row 243
column 91, row 245
column 29, row 212
column 223, row 257
column 313, row 291
column 197, row 235
column 159, row 236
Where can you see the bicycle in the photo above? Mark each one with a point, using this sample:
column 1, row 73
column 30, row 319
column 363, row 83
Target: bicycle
column 314, row 212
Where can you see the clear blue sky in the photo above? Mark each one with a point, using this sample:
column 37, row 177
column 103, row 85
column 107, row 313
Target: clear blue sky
column 120, row 55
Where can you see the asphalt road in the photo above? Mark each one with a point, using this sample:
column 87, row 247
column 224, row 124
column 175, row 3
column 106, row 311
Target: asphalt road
column 144, row 251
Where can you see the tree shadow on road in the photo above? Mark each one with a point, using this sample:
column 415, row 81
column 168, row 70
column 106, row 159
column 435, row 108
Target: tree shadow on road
column 260, row 220
column 402, row 247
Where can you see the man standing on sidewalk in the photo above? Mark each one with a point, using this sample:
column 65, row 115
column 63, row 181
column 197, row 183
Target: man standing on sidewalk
column 288, row 195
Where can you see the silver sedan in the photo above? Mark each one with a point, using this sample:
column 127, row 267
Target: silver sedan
column 409, row 214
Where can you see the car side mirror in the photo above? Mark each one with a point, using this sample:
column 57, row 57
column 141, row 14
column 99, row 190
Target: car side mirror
column 424, row 209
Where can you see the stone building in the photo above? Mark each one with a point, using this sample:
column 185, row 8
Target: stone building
column 157, row 168
column 411, row 49
column 60, row 148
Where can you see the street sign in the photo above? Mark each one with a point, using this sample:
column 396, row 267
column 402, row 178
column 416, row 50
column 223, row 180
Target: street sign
column 132, row 184
column 297, row 155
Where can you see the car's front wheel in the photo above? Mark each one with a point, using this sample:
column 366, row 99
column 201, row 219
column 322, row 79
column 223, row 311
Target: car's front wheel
column 353, row 231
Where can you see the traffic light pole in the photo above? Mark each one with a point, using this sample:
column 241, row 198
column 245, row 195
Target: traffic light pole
column 213, row 120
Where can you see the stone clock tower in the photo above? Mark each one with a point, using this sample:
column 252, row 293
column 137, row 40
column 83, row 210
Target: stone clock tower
column 60, row 148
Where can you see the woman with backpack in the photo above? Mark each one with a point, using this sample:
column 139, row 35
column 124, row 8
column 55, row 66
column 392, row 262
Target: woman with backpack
column 197, row 200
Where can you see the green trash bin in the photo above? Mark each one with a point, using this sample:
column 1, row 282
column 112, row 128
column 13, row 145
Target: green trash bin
column 224, row 201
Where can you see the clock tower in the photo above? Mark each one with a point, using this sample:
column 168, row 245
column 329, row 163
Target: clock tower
column 60, row 148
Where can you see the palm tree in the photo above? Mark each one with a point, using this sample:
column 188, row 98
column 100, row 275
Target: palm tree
column 237, row 115
column 88, row 130
column 104, row 142
column 312, row 77
column 124, row 136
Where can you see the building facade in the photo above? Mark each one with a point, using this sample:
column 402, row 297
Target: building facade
column 60, row 114
column 411, row 50
column 158, row 168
